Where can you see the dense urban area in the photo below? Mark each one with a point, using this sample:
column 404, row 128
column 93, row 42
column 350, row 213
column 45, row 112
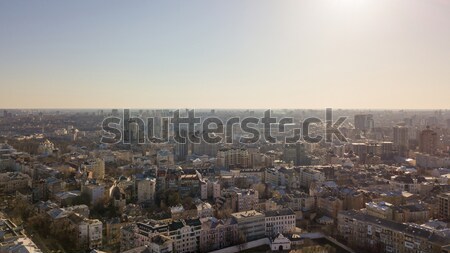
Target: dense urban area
column 387, row 189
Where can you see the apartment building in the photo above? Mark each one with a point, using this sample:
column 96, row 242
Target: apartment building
column 444, row 205
column 185, row 235
column 217, row 234
column 368, row 233
column 279, row 221
column 11, row 182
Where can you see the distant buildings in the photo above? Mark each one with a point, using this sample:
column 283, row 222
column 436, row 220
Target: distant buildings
column 296, row 154
column 233, row 157
column 181, row 151
column 364, row 193
column 428, row 142
column 432, row 161
column 364, row 122
column 401, row 140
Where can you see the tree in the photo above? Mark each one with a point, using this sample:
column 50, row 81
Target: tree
column 39, row 223
column 22, row 209
column 260, row 188
column 224, row 213
column 83, row 199
column 172, row 198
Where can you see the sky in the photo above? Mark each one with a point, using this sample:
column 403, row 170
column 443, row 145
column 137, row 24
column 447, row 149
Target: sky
column 377, row 54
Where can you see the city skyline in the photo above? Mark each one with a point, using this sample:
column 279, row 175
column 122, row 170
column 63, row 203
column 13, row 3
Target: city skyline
column 187, row 126
column 297, row 54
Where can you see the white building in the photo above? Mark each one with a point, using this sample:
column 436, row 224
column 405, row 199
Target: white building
column 279, row 221
column 185, row 235
column 280, row 242
column 251, row 224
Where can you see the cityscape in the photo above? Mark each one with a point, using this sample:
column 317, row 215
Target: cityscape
column 184, row 126
column 385, row 189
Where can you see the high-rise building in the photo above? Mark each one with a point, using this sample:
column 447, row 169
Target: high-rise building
column 183, row 148
column 428, row 141
column 296, row 153
column 386, row 149
column 364, row 122
column 359, row 149
column 401, row 140
column 115, row 112
column 181, row 151
column 232, row 157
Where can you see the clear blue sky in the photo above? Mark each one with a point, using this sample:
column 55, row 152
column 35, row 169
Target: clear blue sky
column 225, row 54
